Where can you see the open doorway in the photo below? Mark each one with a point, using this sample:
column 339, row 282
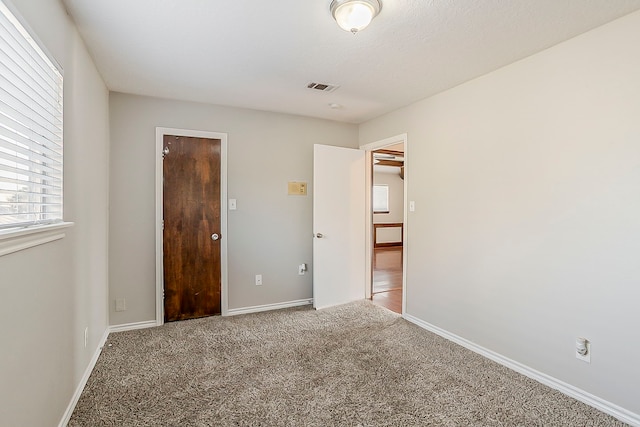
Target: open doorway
column 394, row 143
column 387, row 211
column 391, row 143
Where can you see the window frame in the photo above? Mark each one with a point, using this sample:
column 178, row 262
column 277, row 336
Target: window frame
column 26, row 235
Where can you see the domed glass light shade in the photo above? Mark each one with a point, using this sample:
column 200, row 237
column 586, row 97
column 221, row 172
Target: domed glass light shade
column 354, row 15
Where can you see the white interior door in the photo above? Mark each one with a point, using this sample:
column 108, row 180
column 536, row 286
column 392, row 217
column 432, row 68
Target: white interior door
column 338, row 225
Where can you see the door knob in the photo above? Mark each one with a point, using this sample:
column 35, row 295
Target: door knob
column 319, row 235
column 215, row 236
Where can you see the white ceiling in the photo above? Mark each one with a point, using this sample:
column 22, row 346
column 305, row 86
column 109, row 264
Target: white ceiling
column 261, row 54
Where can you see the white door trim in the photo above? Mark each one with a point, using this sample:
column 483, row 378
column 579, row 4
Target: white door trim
column 160, row 133
column 402, row 138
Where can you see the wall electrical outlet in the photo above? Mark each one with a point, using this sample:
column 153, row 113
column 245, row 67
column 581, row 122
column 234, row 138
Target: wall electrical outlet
column 587, row 356
column 121, row 304
column 258, row 279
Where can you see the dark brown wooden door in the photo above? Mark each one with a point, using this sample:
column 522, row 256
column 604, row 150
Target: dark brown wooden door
column 191, row 171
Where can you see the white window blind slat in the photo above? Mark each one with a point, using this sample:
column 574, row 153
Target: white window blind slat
column 31, row 143
column 42, row 172
column 17, row 58
column 16, row 186
column 20, row 90
column 22, row 183
column 15, row 142
column 43, row 87
column 51, row 198
column 29, row 87
column 31, row 153
column 13, row 108
column 24, row 220
column 18, row 38
column 13, row 208
column 25, row 207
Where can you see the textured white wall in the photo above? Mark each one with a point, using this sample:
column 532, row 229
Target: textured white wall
column 268, row 234
column 50, row 293
column 525, row 233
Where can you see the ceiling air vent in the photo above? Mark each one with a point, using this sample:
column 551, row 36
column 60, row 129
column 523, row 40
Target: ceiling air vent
column 323, row 87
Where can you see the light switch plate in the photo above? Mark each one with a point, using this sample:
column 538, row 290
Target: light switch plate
column 232, row 204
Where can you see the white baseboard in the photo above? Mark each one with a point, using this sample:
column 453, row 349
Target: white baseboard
column 133, row 326
column 150, row 324
column 565, row 388
column 268, row 307
column 83, row 381
column 87, row 373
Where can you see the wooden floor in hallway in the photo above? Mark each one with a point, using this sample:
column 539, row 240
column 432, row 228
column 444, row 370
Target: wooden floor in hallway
column 387, row 278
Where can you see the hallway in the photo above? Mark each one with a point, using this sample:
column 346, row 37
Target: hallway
column 387, row 278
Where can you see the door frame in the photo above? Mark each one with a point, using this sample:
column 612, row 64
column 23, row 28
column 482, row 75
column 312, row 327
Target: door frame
column 402, row 138
column 160, row 133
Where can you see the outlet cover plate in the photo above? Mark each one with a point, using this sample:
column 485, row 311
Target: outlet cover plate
column 586, row 357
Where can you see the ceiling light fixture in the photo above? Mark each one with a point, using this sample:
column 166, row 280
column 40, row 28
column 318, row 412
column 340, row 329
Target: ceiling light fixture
column 354, row 15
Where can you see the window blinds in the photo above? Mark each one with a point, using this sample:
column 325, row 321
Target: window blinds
column 30, row 129
column 380, row 199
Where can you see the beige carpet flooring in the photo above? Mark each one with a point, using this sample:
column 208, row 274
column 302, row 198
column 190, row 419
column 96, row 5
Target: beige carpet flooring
column 353, row 365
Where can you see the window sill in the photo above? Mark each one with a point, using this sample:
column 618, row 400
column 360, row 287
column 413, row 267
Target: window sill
column 24, row 238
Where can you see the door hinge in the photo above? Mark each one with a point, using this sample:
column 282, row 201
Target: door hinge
column 163, row 224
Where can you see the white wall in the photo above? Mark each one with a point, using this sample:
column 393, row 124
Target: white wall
column 50, row 293
column 269, row 233
column 527, row 223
